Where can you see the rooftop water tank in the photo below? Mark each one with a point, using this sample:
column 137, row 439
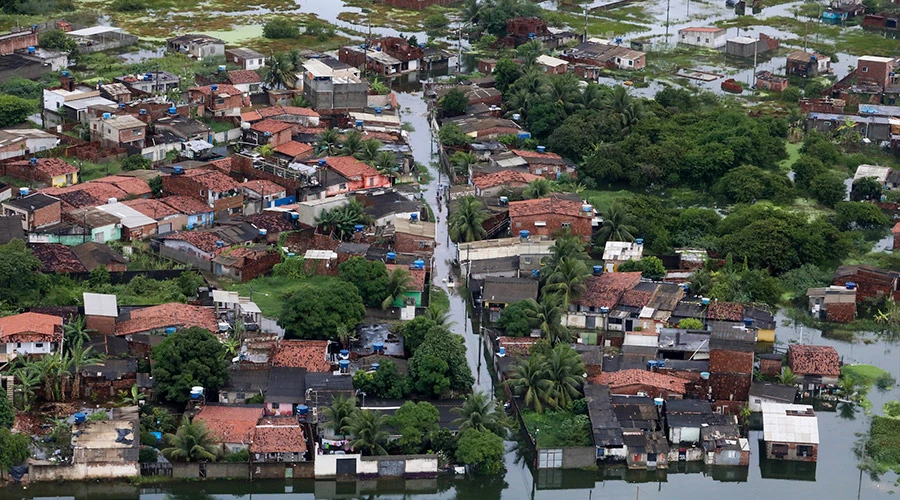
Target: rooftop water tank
column 170, row 330
column 391, row 255
column 220, row 243
column 80, row 418
column 106, row 116
column 345, row 353
column 598, row 270
column 173, row 110
column 504, row 200
column 358, row 228
column 221, row 67
column 413, row 217
column 178, row 169
column 639, row 241
column 263, row 232
column 321, row 162
column 295, row 216
column 23, row 191
column 536, row 273
column 541, row 149
column 378, row 110
column 748, row 322
column 704, row 375
column 142, row 111
column 524, row 135
column 359, row 123
column 378, row 347
column 604, row 310
column 33, row 161
column 302, row 410
column 31, row 50
column 214, row 87
column 502, row 351
column 121, row 105
column 375, row 366
column 516, row 117
column 524, row 234
column 658, row 401
column 419, row 264
column 851, row 285
column 704, row 301
column 587, row 208
column 344, row 364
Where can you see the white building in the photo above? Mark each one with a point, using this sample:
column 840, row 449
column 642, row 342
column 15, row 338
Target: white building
column 29, row 333
column 617, row 252
column 21, row 142
column 708, row 37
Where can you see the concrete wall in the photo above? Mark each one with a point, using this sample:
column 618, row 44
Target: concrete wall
column 185, row 258
column 691, row 454
column 79, row 472
column 413, row 465
column 227, row 136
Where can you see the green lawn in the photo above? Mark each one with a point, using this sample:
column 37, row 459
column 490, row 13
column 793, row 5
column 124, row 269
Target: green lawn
column 793, row 151
column 268, row 292
column 91, row 171
column 602, row 200
column 558, row 428
column 864, row 374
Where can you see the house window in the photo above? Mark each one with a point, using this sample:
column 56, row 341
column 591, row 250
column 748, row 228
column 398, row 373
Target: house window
column 566, row 225
column 540, row 223
column 865, row 69
column 779, row 450
column 18, row 345
column 804, row 450
column 39, row 345
column 136, row 131
column 343, row 186
column 698, row 39
column 275, row 406
column 219, row 100
column 630, row 62
column 706, row 41
column 241, row 396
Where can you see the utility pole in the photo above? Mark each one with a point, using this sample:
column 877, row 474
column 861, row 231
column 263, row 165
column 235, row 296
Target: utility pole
column 585, row 39
column 668, row 2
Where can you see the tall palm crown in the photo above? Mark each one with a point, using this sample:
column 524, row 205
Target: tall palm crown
column 617, row 225
column 565, row 371
column 192, row 442
column 369, row 431
column 465, row 223
column 529, row 380
column 477, row 412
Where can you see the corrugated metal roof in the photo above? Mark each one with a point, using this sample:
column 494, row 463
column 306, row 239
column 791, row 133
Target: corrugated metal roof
column 100, row 304
column 783, row 423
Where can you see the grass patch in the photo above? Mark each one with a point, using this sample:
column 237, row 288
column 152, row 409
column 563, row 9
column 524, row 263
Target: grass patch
column 602, row 200
column 867, row 375
column 883, row 444
column 439, row 298
column 558, row 428
column 793, row 151
column 91, row 171
column 268, row 292
column 219, row 126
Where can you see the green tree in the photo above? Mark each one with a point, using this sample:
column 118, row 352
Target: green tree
column 136, row 162
column 454, row 102
column 460, row 162
column 369, row 277
column 483, row 450
column 452, row 136
column 866, row 188
column 514, row 321
column 132, row 397
column 352, row 143
column 385, row 382
column 75, row 330
column 786, row 377
column 280, row 28
column 807, row 168
column 14, row 448
column 565, row 371
column 416, row 423
column 399, row 282
column 439, row 364
column 435, row 24
column 568, row 280
column 567, row 245
column 14, row 110
column 530, row 381
column 318, row 309
column 156, row 185
column 368, row 151
column 617, row 225
column 337, row 416
column 280, row 72
column 341, row 221
column 191, row 357
column 853, row 215
column 478, row 412
column 650, row 267
column 328, row 141
column 747, row 184
column 292, row 267
column 690, row 324
column 7, row 414
column 828, row 188
column 528, row 52
column 538, row 188
column 506, row 72
column 546, row 316
column 414, row 332
column 192, row 442
column 466, row 220
column 80, row 358
column 58, row 40
column 369, row 432
column 22, row 87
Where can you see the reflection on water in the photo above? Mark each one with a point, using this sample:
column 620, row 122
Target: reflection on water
column 787, row 469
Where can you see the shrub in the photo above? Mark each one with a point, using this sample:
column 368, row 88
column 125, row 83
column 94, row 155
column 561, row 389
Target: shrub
column 147, row 455
column 280, row 28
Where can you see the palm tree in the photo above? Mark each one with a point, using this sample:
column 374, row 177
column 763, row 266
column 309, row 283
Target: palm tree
column 465, row 223
column 232, row 346
column 74, row 330
column 82, row 357
column 28, row 378
column 460, row 162
column 567, row 279
column 618, row 100
column 617, row 225
column 528, row 52
column 280, row 72
column 439, row 314
column 47, row 368
column 337, row 416
column 546, row 316
column 786, row 376
column 471, row 10
column 369, row 151
column 563, row 91
column 399, row 281
column 368, row 429
column 352, row 143
column 564, row 370
column 477, row 412
column 328, row 141
column 343, row 336
column 529, row 380
column 570, row 185
column 341, row 221
column 566, row 245
column 538, row 188
column 700, row 283
column 593, row 96
column 385, row 163
column 132, row 397
column 518, row 101
column 192, row 442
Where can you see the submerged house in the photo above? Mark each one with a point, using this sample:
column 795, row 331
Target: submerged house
column 790, row 432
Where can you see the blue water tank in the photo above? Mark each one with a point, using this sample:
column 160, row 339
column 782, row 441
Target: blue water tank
column 704, row 301
column 358, row 228
column 524, row 233
column 33, row 161
column 541, row 149
column 516, row 117
column 378, row 110
column 214, row 87
column 639, row 241
column 391, row 255
column 291, row 254
column 80, row 418
column 850, row 285
column 302, row 410
column 704, row 375
column 344, row 364
column 413, row 217
column 142, row 112
column 24, row 191
column 419, row 264
column 106, row 116
column 598, row 270
column 378, row 347
column 322, row 162
column 359, row 123
column 178, row 169
column 652, row 363
column 220, row 244
column 375, row 366
column 170, row 330
column 158, row 436
column 295, row 216
column 524, row 135
column 173, row 110
column 65, row 73
column 121, row 105
column 604, row 310
column 748, row 322
column 536, row 273
column 263, row 232
column 31, row 50
column 345, row 353
column 502, row 351
column 658, row 401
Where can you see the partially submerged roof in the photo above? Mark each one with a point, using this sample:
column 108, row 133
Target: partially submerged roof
column 789, row 423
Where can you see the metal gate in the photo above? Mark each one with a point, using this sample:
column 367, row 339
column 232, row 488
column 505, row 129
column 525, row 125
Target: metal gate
column 346, row 466
column 391, row 468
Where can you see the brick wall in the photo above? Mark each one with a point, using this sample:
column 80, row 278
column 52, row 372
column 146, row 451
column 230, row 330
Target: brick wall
column 20, row 41
column 868, row 284
column 228, row 204
column 841, row 313
column 580, row 225
column 731, row 386
column 50, row 214
column 770, row 367
column 101, row 324
column 722, row 361
column 261, row 265
column 183, row 186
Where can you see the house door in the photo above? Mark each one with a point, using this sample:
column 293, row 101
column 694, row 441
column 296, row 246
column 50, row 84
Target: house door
column 346, row 466
column 590, row 322
column 629, row 325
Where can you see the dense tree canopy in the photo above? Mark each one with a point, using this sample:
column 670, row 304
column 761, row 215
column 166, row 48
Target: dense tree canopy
column 369, row 277
column 439, row 365
column 191, row 357
column 319, row 308
column 483, row 450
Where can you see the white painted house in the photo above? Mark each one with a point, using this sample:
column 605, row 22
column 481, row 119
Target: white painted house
column 709, row 37
column 29, row 333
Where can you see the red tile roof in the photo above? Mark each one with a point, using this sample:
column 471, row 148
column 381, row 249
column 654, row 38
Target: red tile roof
column 271, row 221
column 230, row 424
column 154, row 209
column 203, row 240
column 298, row 111
column 725, row 311
column 350, row 167
column 516, row 345
column 212, row 179
column 528, row 154
column 51, row 167
column 57, row 258
column 251, row 116
column 131, row 185
column 89, row 194
column 607, row 289
column 636, row 298
column 624, row 378
column 896, row 228
column 31, row 327
column 240, row 76
column 186, row 205
column 417, row 281
column 166, row 315
column 271, row 126
column 814, row 360
column 223, row 164
column 263, row 187
column 294, row 149
column 223, row 88
column 504, row 177
column 309, row 354
column 278, row 435
column 550, row 205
